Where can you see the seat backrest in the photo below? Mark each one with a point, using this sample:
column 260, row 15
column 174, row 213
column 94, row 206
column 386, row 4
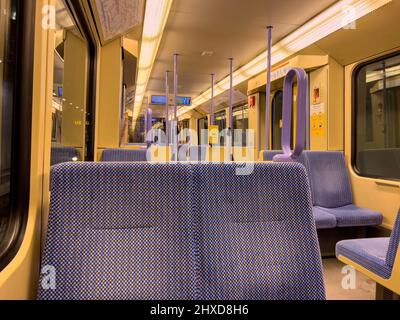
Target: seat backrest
column 330, row 181
column 124, row 155
column 394, row 243
column 255, row 235
column 120, row 231
column 63, row 154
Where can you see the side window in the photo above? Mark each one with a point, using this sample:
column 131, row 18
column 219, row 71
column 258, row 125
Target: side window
column 16, row 77
column 70, row 90
column 376, row 121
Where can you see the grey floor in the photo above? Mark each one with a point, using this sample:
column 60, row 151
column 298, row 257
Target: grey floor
column 364, row 287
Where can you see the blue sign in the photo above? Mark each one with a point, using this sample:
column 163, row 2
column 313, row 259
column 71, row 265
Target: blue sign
column 160, row 100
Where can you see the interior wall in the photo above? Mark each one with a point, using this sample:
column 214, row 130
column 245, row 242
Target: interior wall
column 75, row 92
column 109, row 96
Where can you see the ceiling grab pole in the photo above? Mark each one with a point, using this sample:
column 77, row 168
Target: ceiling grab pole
column 175, row 131
column 212, row 111
column 268, row 91
column 167, row 121
column 230, row 131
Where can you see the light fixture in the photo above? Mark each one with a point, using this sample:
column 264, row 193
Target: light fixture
column 329, row 21
column 155, row 19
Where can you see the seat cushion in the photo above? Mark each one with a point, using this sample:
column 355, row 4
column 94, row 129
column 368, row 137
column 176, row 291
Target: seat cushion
column 353, row 216
column 369, row 253
column 324, row 220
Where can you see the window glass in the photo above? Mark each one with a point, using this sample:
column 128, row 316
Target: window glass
column 220, row 121
column 377, row 119
column 8, row 30
column 69, row 109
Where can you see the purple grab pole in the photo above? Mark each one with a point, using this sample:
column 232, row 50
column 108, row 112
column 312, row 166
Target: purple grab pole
column 175, row 133
column 268, row 91
column 212, row 99
column 231, row 97
column 167, row 122
column 149, row 126
column 302, row 83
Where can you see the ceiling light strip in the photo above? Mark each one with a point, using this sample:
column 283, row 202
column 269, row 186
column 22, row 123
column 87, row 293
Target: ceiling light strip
column 156, row 16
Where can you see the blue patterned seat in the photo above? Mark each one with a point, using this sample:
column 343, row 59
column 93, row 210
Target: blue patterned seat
column 377, row 255
column 124, row 155
column 330, row 184
column 323, row 219
column 120, row 231
column 63, row 154
column 255, row 234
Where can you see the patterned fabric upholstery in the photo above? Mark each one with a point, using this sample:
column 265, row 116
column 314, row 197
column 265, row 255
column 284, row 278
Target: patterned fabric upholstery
column 63, row 154
column 329, row 179
column 120, row 231
column 394, row 243
column 256, row 236
column 369, row 253
column 124, row 155
column 323, row 219
column 351, row 216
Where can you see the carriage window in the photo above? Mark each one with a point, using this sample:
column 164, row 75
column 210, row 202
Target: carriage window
column 377, row 119
column 241, row 122
column 69, row 111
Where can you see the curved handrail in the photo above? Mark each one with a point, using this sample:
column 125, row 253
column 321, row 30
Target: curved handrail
column 302, row 83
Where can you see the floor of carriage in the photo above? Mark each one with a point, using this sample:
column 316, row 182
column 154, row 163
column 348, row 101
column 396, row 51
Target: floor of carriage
column 364, row 287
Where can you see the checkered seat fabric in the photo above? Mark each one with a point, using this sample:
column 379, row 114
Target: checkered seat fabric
column 378, row 255
column 255, row 234
column 120, row 231
column 63, row 154
column 124, row 155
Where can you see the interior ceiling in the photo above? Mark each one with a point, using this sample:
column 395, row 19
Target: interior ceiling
column 228, row 28
column 118, row 17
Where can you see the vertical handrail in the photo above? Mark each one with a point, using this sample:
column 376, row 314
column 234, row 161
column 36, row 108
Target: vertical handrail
column 212, row 111
column 268, row 91
column 231, row 95
column 302, row 83
column 167, row 121
column 175, row 133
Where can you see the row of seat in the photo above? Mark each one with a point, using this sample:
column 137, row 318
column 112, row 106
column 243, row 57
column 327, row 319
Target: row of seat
column 63, row 154
column 182, row 231
column 376, row 254
column 331, row 191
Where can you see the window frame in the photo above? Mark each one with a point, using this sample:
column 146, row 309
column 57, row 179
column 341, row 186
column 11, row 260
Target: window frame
column 354, row 104
column 21, row 133
column 78, row 14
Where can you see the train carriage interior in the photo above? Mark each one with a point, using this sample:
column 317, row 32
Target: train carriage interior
column 217, row 150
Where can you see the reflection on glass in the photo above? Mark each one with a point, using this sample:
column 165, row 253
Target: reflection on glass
column 69, row 90
column 378, row 119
